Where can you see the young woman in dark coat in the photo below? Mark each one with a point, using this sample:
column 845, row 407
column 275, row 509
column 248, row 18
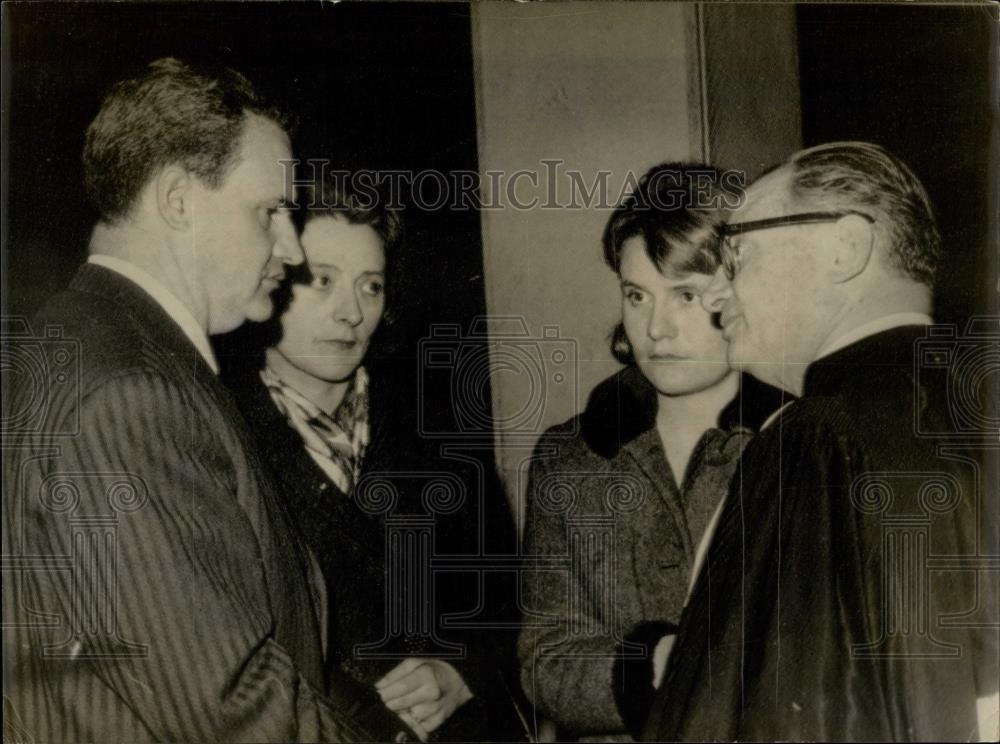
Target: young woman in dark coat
column 328, row 428
column 652, row 455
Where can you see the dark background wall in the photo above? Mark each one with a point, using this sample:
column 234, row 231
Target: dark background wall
column 917, row 80
column 375, row 85
column 382, row 85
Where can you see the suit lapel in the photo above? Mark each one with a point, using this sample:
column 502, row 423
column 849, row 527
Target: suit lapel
column 286, row 562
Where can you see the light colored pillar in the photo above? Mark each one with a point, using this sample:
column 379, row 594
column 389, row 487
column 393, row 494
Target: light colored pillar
column 749, row 70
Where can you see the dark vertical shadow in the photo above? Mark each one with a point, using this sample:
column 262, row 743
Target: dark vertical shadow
column 916, row 80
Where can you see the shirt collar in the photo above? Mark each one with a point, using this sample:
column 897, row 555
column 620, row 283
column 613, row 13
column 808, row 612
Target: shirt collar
column 775, row 416
column 885, row 323
column 879, row 325
column 173, row 307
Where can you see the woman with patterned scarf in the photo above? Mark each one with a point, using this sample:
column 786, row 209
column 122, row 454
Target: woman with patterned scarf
column 309, row 406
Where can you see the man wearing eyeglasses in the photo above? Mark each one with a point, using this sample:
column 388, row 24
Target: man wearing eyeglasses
column 849, row 591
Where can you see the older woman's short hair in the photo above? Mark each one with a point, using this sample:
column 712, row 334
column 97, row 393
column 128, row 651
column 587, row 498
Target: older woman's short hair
column 335, row 194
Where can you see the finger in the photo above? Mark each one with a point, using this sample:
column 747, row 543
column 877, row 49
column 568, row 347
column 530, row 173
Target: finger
column 422, row 733
column 432, row 722
column 423, row 711
column 398, row 689
column 421, row 677
column 418, row 696
column 399, row 671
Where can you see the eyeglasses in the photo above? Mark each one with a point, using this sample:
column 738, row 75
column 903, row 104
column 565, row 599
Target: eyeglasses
column 730, row 253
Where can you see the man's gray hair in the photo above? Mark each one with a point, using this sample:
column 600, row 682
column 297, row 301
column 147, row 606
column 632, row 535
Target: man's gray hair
column 866, row 177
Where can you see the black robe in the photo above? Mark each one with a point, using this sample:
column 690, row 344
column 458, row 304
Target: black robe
column 832, row 605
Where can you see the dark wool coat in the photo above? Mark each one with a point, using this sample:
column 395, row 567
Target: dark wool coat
column 351, row 548
column 587, row 638
column 840, row 600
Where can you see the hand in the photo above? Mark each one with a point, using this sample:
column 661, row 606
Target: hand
column 426, row 691
column 422, row 733
column 660, row 655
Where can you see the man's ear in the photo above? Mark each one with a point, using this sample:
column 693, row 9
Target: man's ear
column 852, row 249
column 174, row 196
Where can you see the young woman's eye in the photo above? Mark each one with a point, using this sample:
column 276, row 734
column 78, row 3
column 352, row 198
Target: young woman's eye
column 689, row 298
column 321, row 281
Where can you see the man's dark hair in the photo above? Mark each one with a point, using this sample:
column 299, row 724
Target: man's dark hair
column 866, row 177
column 674, row 209
column 173, row 112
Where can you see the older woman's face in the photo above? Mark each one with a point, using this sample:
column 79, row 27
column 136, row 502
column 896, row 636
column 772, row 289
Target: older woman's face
column 673, row 339
column 329, row 322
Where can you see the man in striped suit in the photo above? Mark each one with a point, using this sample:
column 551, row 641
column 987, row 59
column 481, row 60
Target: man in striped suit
column 154, row 588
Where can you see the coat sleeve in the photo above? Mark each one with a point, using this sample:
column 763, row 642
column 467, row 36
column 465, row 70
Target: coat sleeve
column 570, row 672
column 188, row 646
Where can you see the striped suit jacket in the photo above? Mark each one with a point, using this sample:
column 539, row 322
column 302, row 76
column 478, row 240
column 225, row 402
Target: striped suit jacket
column 154, row 588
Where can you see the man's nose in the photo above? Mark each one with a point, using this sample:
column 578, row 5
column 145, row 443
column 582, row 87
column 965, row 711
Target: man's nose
column 716, row 293
column 286, row 241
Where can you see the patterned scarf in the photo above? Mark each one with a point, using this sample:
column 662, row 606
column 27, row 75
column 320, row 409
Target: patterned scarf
column 337, row 443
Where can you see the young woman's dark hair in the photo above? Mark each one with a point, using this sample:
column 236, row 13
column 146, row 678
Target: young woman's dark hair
column 674, row 211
